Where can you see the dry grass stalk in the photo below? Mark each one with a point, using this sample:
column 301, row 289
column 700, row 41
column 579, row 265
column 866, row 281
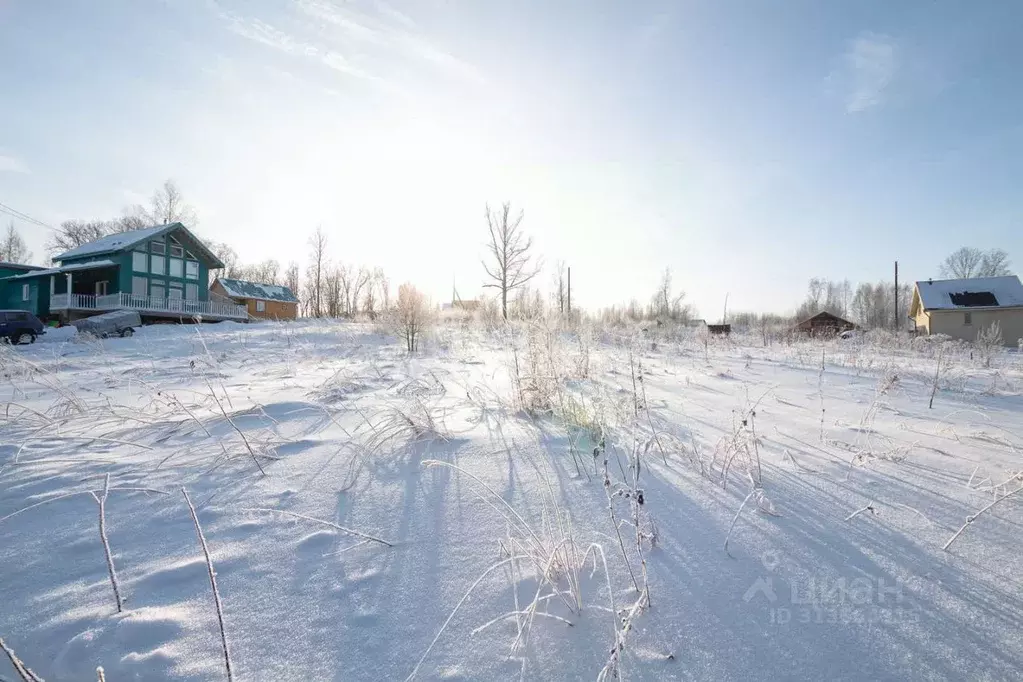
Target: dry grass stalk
column 213, row 585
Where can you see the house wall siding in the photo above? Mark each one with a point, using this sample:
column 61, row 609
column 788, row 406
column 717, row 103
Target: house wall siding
column 13, row 299
column 275, row 310
column 952, row 323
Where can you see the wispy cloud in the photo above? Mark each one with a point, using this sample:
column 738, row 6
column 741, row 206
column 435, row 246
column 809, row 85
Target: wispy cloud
column 363, row 44
column 12, row 164
column 867, row 70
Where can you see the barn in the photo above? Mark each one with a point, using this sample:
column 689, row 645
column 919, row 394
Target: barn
column 824, row 324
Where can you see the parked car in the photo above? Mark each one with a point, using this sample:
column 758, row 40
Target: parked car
column 117, row 323
column 20, row 326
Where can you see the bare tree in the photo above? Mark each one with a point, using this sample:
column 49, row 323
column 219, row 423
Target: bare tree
column 559, row 287
column 266, row 272
column 360, row 281
column 228, row 256
column 413, row 315
column 317, row 264
column 510, row 265
column 384, row 285
column 166, row 206
column 291, row 278
column 13, row 248
column 665, row 303
column 73, row 233
column 969, row 262
column 345, row 279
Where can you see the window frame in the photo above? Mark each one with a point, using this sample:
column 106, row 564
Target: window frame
column 171, row 261
column 145, row 286
column 26, row 292
column 190, row 287
column 260, row 306
column 157, row 246
column 188, row 273
column 162, row 272
column 157, row 284
column 138, row 257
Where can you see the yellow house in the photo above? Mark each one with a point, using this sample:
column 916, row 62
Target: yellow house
column 961, row 308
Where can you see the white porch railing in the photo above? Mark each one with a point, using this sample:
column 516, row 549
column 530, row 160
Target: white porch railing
column 147, row 304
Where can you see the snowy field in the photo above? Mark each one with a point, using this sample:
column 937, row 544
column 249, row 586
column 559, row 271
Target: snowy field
column 509, row 504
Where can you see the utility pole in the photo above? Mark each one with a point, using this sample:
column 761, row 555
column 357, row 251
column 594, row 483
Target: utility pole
column 570, row 292
column 896, row 296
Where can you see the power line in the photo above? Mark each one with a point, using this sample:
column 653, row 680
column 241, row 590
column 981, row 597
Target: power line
column 15, row 213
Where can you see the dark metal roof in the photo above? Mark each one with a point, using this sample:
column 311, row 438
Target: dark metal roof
column 237, row 288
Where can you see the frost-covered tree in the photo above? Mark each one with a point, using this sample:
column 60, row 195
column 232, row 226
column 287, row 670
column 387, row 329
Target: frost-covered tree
column 666, row 304
column 412, row 316
column 509, row 264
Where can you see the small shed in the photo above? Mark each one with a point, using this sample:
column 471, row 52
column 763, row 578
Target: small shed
column 720, row 329
column 824, row 324
column 263, row 301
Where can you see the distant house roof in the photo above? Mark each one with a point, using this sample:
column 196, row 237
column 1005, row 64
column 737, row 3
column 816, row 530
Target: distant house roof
column 237, row 288
column 979, row 292
column 73, row 267
column 824, row 319
column 122, row 241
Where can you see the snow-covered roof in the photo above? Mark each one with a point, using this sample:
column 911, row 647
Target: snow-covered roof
column 979, row 292
column 237, row 288
column 90, row 265
column 19, row 266
column 123, row 241
column 113, row 242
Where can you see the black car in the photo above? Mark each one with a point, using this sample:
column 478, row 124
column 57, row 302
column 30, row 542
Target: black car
column 19, row 326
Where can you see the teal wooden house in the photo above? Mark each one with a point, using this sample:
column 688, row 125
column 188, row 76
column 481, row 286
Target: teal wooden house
column 161, row 271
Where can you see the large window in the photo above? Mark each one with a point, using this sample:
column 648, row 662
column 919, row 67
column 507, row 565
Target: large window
column 157, row 290
column 26, row 292
column 139, row 286
column 139, row 261
column 192, row 292
column 175, row 267
column 157, row 265
column 191, row 269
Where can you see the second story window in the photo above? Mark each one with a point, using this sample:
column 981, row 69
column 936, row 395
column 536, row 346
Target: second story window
column 139, row 261
column 158, row 265
column 191, row 269
column 158, row 246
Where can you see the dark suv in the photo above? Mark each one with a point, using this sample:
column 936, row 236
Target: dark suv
column 19, row 326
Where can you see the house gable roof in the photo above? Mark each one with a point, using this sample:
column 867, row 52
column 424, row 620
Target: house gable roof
column 963, row 294
column 123, row 241
column 237, row 288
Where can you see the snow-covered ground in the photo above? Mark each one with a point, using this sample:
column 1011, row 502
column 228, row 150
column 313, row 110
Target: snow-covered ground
column 352, row 496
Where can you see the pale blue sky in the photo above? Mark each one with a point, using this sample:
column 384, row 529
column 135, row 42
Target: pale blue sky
column 747, row 145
